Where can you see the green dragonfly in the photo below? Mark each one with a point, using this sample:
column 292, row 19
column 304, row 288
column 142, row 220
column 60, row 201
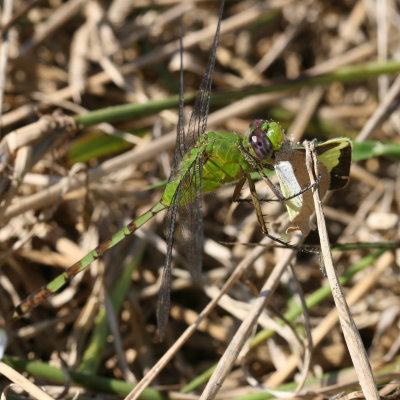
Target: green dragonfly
column 204, row 162
column 288, row 161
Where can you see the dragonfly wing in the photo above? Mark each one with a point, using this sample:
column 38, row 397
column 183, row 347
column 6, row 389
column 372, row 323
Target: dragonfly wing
column 188, row 195
column 190, row 211
column 335, row 154
column 293, row 177
column 164, row 301
column 198, row 119
column 289, row 186
column 190, row 219
column 187, row 205
column 180, row 148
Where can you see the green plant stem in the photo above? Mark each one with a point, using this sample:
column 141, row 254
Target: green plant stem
column 94, row 351
column 293, row 312
column 354, row 73
column 317, row 297
column 97, row 383
column 116, row 386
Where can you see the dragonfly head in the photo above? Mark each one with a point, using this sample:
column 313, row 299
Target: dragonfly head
column 265, row 137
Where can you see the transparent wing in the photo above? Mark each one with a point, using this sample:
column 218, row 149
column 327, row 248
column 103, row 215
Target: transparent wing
column 179, row 151
column 198, row 119
column 190, row 215
column 190, row 227
column 187, row 200
column 189, row 232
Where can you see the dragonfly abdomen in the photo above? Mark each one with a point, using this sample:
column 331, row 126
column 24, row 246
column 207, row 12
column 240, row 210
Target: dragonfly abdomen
column 60, row 281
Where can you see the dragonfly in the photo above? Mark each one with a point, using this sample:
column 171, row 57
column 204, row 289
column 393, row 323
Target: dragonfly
column 203, row 162
column 275, row 152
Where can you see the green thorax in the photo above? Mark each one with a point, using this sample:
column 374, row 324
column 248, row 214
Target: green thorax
column 223, row 163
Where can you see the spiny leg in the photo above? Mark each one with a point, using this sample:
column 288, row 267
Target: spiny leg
column 257, row 206
column 277, row 192
column 255, row 164
column 307, row 188
column 282, row 198
column 254, row 199
column 238, row 189
column 256, row 202
column 300, row 192
column 260, row 217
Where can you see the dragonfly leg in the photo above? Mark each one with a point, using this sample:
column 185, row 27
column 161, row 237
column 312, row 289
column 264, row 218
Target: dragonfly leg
column 260, row 217
column 257, row 205
column 307, row 188
column 257, row 166
column 278, row 193
column 236, row 193
column 275, row 189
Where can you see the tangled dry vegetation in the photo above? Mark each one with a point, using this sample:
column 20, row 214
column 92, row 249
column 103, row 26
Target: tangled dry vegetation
column 74, row 172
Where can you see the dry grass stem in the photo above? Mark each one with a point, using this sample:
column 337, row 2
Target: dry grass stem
column 89, row 99
column 237, row 273
column 350, row 332
column 24, row 383
column 327, row 324
column 231, row 353
column 381, row 111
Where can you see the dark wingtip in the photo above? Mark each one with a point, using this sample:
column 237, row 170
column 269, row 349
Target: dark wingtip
column 340, row 173
column 163, row 308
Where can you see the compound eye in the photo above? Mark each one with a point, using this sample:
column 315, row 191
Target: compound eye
column 257, row 123
column 261, row 145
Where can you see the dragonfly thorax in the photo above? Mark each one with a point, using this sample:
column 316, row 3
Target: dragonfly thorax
column 265, row 137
